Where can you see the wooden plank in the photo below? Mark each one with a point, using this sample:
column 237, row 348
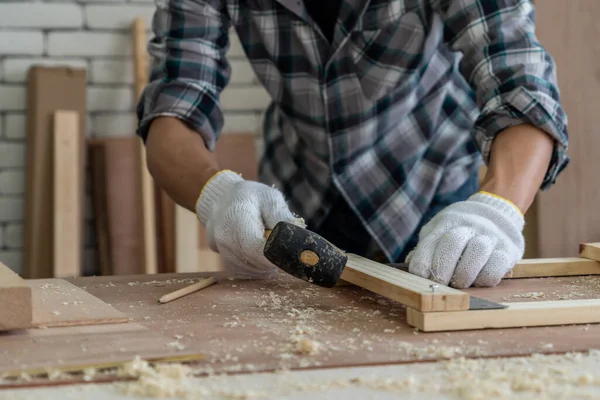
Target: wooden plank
column 186, row 240
column 547, row 267
column 568, row 212
column 590, row 250
column 58, row 303
column 15, row 296
column 123, row 200
column 67, row 194
column 403, row 287
column 48, row 89
column 100, row 206
column 520, row 314
column 165, row 228
column 148, row 208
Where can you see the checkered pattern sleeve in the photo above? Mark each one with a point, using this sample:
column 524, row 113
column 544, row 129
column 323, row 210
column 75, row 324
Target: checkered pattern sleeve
column 513, row 76
column 189, row 67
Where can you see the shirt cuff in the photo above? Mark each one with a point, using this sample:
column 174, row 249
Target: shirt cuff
column 193, row 102
column 519, row 107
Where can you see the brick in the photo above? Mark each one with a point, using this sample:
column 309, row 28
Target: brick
column 113, row 125
column 12, row 97
column 89, row 44
column 242, row 72
column 111, row 71
column 237, row 123
column 11, row 209
column 13, row 236
column 118, row 16
column 109, row 99
column 40, row 15
column 15, row 126
column 12, row 154
column 15, row 69
column 252, row 98
column 12, row 259
column 12, row 181
column 22, row 43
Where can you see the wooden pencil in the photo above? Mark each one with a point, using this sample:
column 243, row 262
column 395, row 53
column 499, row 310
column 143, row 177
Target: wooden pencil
column 187, row 290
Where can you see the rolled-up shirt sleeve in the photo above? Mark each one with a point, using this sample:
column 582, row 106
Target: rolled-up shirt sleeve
column 189, row 66
column 513, row 76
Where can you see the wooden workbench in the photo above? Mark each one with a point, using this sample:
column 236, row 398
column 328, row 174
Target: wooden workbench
column 254, row 326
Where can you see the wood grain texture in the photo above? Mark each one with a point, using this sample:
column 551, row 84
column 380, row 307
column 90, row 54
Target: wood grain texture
column 123, row 199
column 186, row 240
column 403, row 287
column 517, row 315
column 99, row 192
column 568, row 212
column 67, row 195
column 48, row 89
column 57, row 302
column 545, row 267
column 590, row 250
column 148, row 207
column 16, row 311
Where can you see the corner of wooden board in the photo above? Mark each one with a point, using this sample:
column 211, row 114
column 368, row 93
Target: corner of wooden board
column 590, row 250
column 459, row 301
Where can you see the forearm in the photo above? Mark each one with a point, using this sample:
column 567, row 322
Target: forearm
column 519, row 160
column 178, row 160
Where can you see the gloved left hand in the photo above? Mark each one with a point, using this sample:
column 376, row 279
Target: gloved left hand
column 470, row 243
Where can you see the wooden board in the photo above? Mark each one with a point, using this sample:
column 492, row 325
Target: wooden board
column 517, row 315
column 57, row 302
column 568, row 212
column 120, row 169
column 165, row 231
column 253, row 325
column 48, row 89
column 68, row 193
column 148, row 206
column 403, row 287
column 541, row 267
column 590, row 251
column 99, row 194
column 15, row 296
column 186, row 240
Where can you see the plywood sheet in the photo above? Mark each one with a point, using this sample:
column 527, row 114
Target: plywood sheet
column 57, row 302
column 48, row 89
column 246, row 325
column 568, row 212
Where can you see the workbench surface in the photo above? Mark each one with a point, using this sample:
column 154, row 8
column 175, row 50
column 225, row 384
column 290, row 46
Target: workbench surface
column 285, row 324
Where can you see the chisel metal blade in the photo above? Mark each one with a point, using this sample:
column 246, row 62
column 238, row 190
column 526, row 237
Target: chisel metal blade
column 475, row 303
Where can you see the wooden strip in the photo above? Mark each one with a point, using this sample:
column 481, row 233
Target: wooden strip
column 58, row 303
column 49, row 89
column 16, row 311
column 403, row 287
column 521, row 314
column 186, row 240
column 548, row 267
column 67, row 194
column 100, row 206
column 204, row 283
column 148, row 209
column 590, row 250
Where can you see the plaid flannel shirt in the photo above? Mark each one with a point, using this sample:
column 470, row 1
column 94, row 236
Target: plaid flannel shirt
column 397, row 108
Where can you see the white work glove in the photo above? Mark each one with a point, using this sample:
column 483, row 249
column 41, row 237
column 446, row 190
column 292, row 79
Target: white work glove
column 235, row 213
column 472, row 242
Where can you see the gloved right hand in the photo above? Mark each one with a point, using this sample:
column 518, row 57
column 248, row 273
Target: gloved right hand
column 235, row 213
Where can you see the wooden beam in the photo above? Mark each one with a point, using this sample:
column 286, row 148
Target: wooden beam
column 67, row 194
column 521, row 314
column 552, row 267
column 186, row 240
column 15, row 296
column 148, row 209
column 403, row 287
column 590, row 250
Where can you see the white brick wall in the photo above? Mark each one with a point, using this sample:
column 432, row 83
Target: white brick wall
column 95, row 35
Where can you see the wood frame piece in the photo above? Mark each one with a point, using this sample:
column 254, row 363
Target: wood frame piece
column 448, row 309
column 16, row 299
